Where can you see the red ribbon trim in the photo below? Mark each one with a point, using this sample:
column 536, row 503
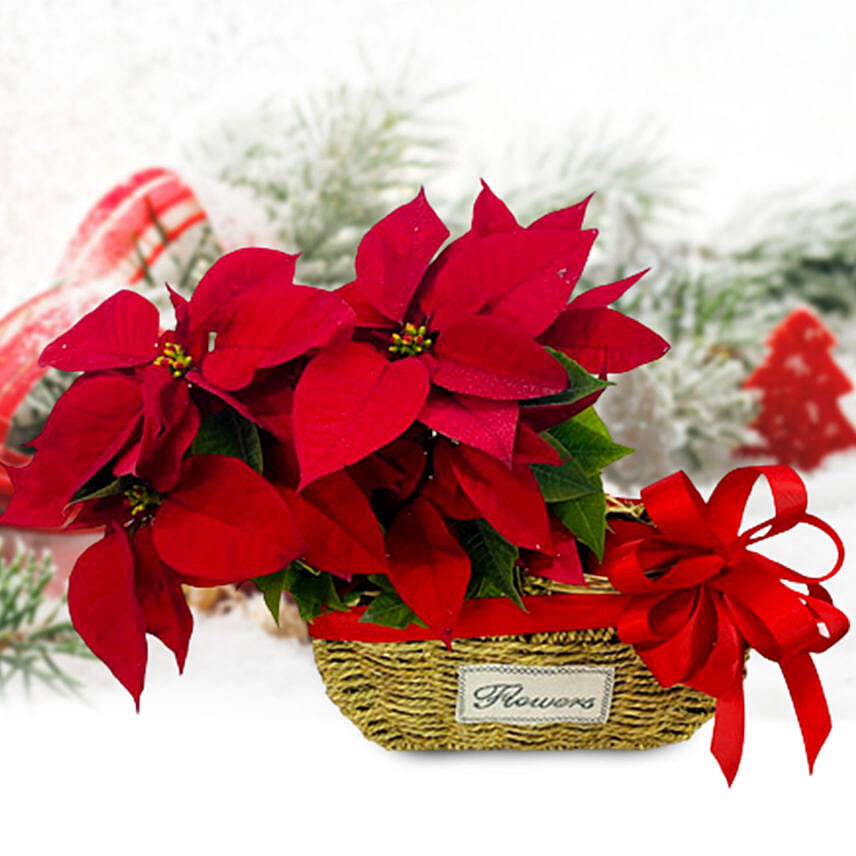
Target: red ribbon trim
column 493, row 616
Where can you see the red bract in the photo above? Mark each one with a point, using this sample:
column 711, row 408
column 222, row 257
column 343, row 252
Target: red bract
column 349, row 402
column 248, row 299
column 428, row 567
column 87, row 428
column 341, row 533
column 601, row 339
column 487, row 425
column 223, row 523
column 541, row 417
column 261, row 318
column 523, row 278
column 510, row 500
column 105, row 611
column 467, row 484
column 160, row 597
column 117, row 594
column 564, row 565
column 394, row 471
column 529, row 448
column 444, row 490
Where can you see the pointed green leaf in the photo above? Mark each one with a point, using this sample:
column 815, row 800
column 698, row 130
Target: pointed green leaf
column 590, row 419
column 312, row 591
column 382, row 582
column 586, row 518
column 563, row 482
column 389, row 610
column 229, row 433
column 271, row 586
column 586, row 438
column 89, row 491
column 493, row 560
column 580, row 383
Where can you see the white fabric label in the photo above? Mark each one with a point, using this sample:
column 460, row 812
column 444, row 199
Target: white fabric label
column 534, row 694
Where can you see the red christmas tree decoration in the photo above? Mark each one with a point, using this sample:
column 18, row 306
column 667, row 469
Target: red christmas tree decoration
column 800, row 419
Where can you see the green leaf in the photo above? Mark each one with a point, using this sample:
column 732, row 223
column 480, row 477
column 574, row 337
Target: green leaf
column 586, row 518
column 271, row 586
column 493, row 560
column 563, row 482
column 580, row 383
column 229, row 433
column 591, row 420
column 586, row 438
column 88, row 492
column 382, row 582
column 312, row 591
column 389, row 610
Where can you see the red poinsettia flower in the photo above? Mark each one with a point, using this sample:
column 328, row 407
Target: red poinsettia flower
column 428, row 567
column 138, row 398
column 451, row 343
column 220, row 522
column 599, row 338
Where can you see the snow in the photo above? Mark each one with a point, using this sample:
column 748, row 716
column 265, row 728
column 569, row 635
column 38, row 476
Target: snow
column 245, row 752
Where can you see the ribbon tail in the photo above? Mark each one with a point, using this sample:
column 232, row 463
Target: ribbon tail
column 809, row 703
column 728, row 728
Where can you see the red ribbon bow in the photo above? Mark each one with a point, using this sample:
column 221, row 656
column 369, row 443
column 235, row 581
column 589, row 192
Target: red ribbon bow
column 692, row 622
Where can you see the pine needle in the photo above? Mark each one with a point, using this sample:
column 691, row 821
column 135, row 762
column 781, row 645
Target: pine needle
column 325, row 168
column 32, row 634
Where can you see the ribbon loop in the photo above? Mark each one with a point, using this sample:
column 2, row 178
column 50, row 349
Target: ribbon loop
column 727, row 503
column 678, row 511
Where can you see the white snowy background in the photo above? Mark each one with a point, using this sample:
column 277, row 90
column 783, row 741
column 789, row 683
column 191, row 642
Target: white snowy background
column 244, row 753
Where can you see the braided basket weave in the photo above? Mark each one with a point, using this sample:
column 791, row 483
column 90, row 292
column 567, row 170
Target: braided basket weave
column 403, row 695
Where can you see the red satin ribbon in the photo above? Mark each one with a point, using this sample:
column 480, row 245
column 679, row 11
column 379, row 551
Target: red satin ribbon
column 490, row 616
column 691, row 623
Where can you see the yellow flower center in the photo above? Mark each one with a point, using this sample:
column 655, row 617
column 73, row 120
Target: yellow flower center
column 411, row 341
column 175, row 358
column 142, row 498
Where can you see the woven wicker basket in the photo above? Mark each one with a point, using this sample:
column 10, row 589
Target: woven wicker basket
column 403, row 695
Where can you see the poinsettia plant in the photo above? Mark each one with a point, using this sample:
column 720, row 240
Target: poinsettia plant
column 419, row 436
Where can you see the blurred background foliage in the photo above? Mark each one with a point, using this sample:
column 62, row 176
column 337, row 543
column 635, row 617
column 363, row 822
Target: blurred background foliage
column 320, row 171
column 35, row 639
